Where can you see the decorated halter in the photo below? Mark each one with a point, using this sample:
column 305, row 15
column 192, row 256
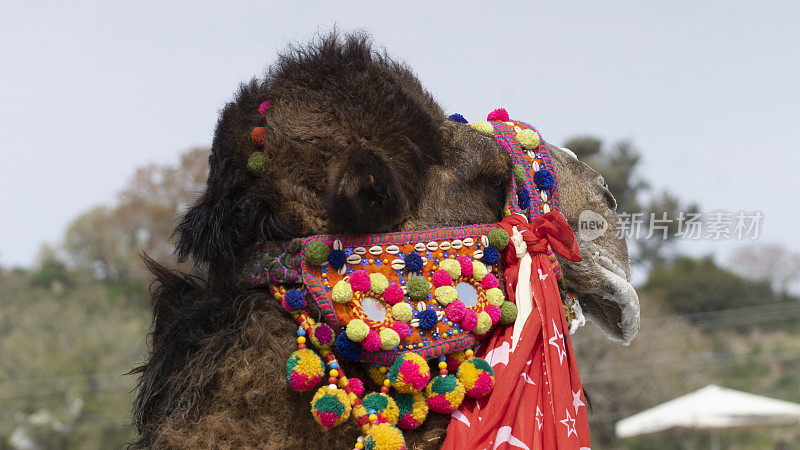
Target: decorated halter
column 394, row 301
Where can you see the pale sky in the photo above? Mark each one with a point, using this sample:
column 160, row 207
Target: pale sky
column 707, row 90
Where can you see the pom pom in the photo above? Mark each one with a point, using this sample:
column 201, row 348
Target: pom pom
column 456, row 117
column 409, row 373
column 330, row 407
column 477, row 377
column 479, row 270
column 316, row 253
column 391, row 339
column 452, row 267
column 454, row 361
column 442, row 278
column 470, row 320
column 257, row 163
column 294, row 300
column 508, row 313
column 523, row 197
column 445, row 295
column 483, row 127
column 342, row 292
column 445, row 394
column 418, row 288
column 378, row 283
column 402, row 312
column 264, row 106
column 384, row 436
column 357, row 330
column 520, row 174
column 455, row 311
column 528, row 139
column 466, row 265
column 356, row 385
column 495, row 296
column 337, row 258
column 484, row 323
column 360, row 281
column 498, row 114
column 427, row 319
column 413, row 262
column 413, row 409
column 347, row 349
column 490, row 255
column 382, row 404
column 544, row 179
column 304, row 369
column 393, row 294
column 489, row 281
column 493, row 312
column 372, row 342
column 498, row 238
column 401, row 329
column 322, row 335
column 257, row 136
column 375, row 374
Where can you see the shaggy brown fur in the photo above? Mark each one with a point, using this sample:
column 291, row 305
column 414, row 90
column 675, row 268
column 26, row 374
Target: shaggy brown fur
column 356, row 146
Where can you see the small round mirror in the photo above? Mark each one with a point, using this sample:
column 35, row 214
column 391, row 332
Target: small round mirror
column 374, row 309
column 467, row 294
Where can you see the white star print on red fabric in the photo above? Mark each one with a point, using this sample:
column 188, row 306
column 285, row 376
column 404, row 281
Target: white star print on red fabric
column 539, row 417
column 554, row 342
column 569, row 422
column 576, row 400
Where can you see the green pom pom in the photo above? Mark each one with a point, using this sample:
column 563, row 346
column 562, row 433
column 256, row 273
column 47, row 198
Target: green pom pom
column 520, row 174
column 357, row 330
column 483, row 127
column 418, row 288
column 452, row 267
column 498, row 238
column 508, row 313
column 484, row 323
column 389, row 339
column 495, row 296
column 316, row 253
column 402, row 311
column 528, row 139
column 257, row 163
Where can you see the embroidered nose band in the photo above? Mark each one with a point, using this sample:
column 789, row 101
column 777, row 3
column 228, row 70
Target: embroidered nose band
column 396, row 301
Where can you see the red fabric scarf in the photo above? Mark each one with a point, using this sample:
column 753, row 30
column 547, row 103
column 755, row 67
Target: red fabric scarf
column 537, row 401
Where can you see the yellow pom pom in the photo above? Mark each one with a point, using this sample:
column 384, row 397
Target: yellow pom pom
column 376, row 374
column 385, row 436
column 482, row 127
column 478, row 270
column 383, row 369
column 389, row 339
column 382, row 404
column 445, row 295
column 342, row 292
column 378, row 282
column 452, row 267
column 330, row 407
column 484, row 323
column 357, row 330
column 528, row 139
column 495, row 296
column 402, row 312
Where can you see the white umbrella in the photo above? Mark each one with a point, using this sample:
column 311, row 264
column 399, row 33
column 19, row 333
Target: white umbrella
column 711, row 407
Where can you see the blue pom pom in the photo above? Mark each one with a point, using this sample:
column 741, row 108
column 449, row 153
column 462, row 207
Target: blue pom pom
column 490, row 255
column 296, row 299
column 337, row 258
column 413, row 262
column 427, row 319
column 523, row 197
column 544, row 179
column 457, row 118
column 347, row 349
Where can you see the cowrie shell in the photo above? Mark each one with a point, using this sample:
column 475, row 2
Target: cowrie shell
column 405, row 290
column 342, row 270
column 392, row 249
column 337, row 244
column 420, row 247
column 414, row 323
column 353, row 259
column 544, row 195
column 444, row 246
column 532, row 154
column 468, row 242
column 457, row 243
column 421, row 306
column 439, row 314
column 536, row 166
column 424, row 261
column 432, row 246
column 360, row 251
column 398, row 264
column 545, row 208
column 485, row 240
column 375, row 250
column 478, row 254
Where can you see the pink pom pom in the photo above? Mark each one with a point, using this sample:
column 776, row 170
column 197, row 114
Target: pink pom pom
column 455, row 311
column 442, row 278
column 452, row 364
column 470, row 320
column 357, row 386
column 493, row 312
column 401, row 328
column 498, row 114
column 372, row 343
column 359, row 280
column 466, row 265
column 489, row 281
column 264, row 106
column 393, row 294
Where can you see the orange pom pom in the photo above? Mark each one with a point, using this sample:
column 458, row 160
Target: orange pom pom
column 257, row 135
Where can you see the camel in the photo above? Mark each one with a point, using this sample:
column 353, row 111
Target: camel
column 356, row 145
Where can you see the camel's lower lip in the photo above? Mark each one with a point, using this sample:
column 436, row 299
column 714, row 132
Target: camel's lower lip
column 623, row 294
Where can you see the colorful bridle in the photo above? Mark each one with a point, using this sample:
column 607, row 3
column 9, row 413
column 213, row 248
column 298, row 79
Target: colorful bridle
column 397, row 300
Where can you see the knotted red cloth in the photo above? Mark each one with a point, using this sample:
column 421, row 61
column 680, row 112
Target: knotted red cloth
column 537, row 401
